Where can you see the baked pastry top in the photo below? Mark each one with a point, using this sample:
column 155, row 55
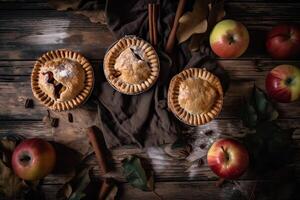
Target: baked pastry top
column 131, row 65
column 195, row 96
column 62, row 79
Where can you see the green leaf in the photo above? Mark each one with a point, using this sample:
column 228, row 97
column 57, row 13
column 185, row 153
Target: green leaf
column 7, row 146
column 264, row 108
column 248, row 115
column 260, row 100
column 179, row 143
column 258, row 109
column 135, row 174
column 10, row 184
column 77, row 196
column 74, row 189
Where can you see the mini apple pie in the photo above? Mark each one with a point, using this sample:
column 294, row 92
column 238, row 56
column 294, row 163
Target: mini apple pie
column 195, row 96
column 62, row 79
column 131, row 65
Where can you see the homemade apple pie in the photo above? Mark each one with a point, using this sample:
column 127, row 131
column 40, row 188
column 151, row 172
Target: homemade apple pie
column 62, row 79
column 131, row 65
column 195, row 96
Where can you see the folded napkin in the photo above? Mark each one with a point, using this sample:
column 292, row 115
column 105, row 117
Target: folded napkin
column 143, row 119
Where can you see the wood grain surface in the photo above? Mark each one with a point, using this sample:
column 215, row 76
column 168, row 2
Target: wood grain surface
column 30, row 28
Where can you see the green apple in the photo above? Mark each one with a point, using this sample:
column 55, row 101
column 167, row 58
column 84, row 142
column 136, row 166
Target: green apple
column 33, row 159
column 229, row 39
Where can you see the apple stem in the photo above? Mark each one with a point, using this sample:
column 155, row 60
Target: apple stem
column 25, row 158
column 226, row 154
column 288, row 81
column 231, row 39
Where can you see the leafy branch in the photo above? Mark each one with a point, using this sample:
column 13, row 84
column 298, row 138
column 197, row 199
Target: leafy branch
column 136, row 175
column 258, row 109
column 270, row 145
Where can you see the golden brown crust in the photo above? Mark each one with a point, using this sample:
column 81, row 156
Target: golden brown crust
column 194, row 110
column 76, row 89
column 131, row 65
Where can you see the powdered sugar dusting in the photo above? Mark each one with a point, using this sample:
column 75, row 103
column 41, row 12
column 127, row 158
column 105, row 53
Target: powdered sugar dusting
column 66, row 69
column 64, row 73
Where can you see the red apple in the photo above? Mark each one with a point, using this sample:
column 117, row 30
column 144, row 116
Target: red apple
column 283, row 83
column 283, row 41
column 229, row 39
column 228, row 158
column 33, row 159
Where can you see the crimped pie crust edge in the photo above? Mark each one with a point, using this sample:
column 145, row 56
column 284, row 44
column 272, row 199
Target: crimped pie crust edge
column 181, row 113
column 116, row 49
column 65, row 105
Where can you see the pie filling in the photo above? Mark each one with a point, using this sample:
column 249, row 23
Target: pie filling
column 197, row 95
column 132, row 66
column 58, row 87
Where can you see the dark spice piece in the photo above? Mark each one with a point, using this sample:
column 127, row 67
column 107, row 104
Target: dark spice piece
column 70, row 117
column 209, row 133
column 29, row 103
column 54, row 122
column 202, row 146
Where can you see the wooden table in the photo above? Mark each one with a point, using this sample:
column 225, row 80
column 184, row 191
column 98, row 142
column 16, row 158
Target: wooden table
column 28, row 29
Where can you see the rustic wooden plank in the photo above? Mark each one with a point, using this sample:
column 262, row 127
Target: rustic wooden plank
column 197, row 190
column 34, row 19
column 259, row 9
column 91, row 42
column 171, row 190
column 174, row 190
column 42, row 19
column 30, row 43
column 167, row 190
column 264, row 1
column 177, row 190
column 29, row 1
column 13, row 5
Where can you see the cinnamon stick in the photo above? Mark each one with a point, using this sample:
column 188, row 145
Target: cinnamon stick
column 154, row 23
column 104, row 189
column 98, row 149
column 150, row 18
column 172, row 36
